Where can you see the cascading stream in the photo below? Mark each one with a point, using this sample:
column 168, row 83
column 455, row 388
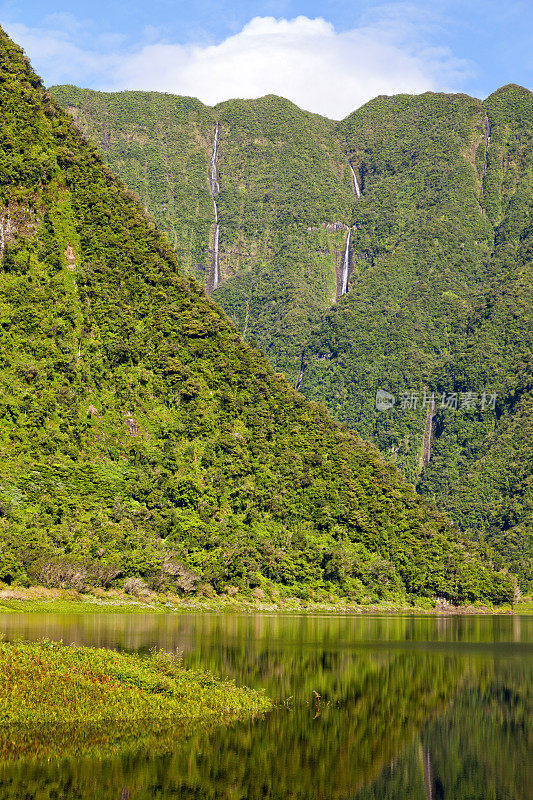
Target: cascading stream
column 302, row 371
column 428, row 433
column 355, row 183
column 216, row 268
column 214, row 184
column 487, row 143
column 213, row 169
column 346, row 265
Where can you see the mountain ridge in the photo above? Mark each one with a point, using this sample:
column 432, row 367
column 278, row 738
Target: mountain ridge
column 445, row 184
column 142, row 438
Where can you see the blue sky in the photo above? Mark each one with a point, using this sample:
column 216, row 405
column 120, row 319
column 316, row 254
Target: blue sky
column 329, row 57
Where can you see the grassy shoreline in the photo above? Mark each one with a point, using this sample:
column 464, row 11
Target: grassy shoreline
column 42, row 600
column 57, row 700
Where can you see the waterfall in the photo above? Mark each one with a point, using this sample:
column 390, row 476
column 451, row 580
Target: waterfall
column 487, row 142
column 302, row 371
column 216, row 268
column 355, row 183
column 213, row 169
column 346, row 265
column 214, row 185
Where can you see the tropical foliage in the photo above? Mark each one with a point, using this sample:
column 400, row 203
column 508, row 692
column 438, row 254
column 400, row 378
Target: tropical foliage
column 140, row 437
column 440, row 286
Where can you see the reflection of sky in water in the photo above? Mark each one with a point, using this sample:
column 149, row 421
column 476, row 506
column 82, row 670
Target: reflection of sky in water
column 410, row 707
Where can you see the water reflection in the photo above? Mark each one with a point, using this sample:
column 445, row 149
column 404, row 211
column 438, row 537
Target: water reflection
column 372, row 707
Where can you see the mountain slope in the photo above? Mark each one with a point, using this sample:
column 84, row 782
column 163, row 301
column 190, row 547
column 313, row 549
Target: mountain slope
column 282, row 176
column 141, row 437
column 481, row 471
column 439, row 283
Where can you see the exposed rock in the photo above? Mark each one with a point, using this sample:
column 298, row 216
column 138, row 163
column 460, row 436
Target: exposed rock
column 132, row 425
column 14, row 221
column 71, row 258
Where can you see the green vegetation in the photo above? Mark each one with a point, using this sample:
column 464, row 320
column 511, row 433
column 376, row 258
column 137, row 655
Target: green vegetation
column 372, row 704
column 36, row 599
column 359, row 705
column 524, row 606
column 283, row 175
column 39, row 600
column 482, row 468
column 57, row 700
column 142, row 442
column 440, row 292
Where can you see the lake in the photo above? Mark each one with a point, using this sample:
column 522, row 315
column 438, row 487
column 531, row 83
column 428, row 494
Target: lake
column 368, row 708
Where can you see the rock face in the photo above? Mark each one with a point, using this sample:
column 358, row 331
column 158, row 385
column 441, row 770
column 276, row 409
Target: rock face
column 15, row 221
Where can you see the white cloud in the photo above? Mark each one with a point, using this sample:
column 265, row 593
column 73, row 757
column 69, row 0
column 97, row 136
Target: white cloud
column 304, row 59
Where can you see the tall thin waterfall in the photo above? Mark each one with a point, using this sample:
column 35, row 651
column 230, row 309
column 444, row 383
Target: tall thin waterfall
column 346, row 265
column 487, row 143
column 302, row 371
column 216, row 268
column 214, row 184
column 355, row 182
column 213, row 169
column 428, row 433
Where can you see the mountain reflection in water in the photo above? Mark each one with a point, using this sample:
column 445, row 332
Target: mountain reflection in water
column 369, row 707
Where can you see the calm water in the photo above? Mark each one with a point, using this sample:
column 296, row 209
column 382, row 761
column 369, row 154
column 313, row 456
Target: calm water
column 388, row 708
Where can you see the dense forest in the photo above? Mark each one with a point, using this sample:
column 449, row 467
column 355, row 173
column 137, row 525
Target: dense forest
column 142, row 438
column 435, row 192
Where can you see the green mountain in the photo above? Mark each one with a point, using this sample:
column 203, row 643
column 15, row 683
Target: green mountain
column 140, row 437
column 282, row 174
column 438, row 267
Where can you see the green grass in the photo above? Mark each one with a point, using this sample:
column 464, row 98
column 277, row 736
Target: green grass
column 37, row 600
column 525, row 606
column 81, row 606
column 56, row 700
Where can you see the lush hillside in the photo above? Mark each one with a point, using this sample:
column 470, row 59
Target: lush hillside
column 283, row 176
column 440, row 265
column 481, row 469
column 445, row 307
column 140, row 437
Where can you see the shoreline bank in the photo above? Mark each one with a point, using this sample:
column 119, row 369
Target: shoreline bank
column 43, row 600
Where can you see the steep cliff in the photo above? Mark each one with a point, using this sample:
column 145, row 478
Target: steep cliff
column 434, row 192
column 140, row 436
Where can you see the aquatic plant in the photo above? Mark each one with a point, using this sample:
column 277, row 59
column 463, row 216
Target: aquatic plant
column 56, row 700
